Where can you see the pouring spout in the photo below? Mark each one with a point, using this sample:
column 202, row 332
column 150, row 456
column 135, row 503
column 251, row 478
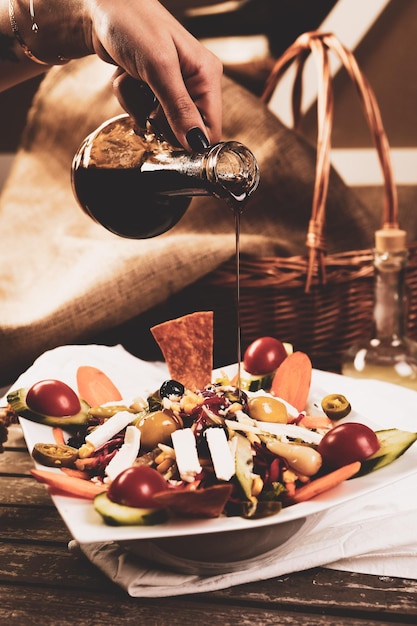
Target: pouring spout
column 232, row 171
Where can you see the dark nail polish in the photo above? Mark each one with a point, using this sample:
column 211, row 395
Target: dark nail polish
column 197, row 139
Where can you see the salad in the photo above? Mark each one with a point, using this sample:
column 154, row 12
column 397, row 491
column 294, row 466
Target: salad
column 218, row 449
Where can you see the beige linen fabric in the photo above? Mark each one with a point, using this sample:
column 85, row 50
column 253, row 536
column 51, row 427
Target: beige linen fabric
column 63, row 278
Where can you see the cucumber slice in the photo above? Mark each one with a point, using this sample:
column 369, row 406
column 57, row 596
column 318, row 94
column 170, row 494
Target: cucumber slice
column 393, row 444
column 17, row 400
column 244, row 464
column 54, row 454
column 115, row 514
column 248, row 382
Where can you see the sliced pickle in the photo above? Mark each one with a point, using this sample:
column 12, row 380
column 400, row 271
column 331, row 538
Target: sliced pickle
column 336, row 406
column 54, row 454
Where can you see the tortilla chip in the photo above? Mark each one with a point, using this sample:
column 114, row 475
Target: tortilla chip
column 205, row 503
column 187, row 346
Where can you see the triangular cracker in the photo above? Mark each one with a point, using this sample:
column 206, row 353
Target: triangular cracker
column 187, row 345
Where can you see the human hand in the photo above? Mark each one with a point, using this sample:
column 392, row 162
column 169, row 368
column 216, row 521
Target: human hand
column 142, row 38
column 151, row 46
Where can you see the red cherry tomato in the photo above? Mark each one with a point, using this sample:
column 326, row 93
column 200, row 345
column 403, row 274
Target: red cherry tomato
column 263, row 356
column 347, row 443
column 136, row 487
column 53, row 398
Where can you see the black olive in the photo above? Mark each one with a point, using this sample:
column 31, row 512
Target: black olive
column 171, row 388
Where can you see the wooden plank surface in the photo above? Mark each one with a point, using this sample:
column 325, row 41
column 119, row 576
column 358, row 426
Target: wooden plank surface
column 42, row 582
column 89, row 609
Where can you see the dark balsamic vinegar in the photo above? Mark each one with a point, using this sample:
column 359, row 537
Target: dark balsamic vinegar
column 237, row 212
column 125, row 201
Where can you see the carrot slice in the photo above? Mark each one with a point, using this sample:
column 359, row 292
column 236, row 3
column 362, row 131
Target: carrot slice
column 75, row 473
column 85, row 464
column 316, row 421
column 292, row 380
column 68, row 485
column 323, row 483
column 95, row 387
column 58, row 434
column 233, row 381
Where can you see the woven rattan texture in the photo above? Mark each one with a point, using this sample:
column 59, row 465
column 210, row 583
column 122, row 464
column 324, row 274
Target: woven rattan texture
column 323, row 323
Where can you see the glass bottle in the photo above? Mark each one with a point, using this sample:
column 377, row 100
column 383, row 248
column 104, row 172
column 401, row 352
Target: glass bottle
column 138, row 186
column 389, row 355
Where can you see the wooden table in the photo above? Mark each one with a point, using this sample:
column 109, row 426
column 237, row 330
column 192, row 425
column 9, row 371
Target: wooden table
column 41, row 582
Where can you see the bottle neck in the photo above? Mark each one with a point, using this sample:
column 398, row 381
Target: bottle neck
column 389, row 318
column 227, row 170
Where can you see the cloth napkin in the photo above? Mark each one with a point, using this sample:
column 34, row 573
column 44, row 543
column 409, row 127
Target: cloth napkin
column 375, row 535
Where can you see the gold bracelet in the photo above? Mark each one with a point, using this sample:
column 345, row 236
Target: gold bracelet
column 28, row 52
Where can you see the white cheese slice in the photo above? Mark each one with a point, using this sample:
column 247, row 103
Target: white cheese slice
column 290, row 430
column 109, row 428
column 279, row 430
column 221, row 455
column 186, row 455
column 125, row 457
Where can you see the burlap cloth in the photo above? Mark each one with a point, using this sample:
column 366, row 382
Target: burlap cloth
column 64, row 279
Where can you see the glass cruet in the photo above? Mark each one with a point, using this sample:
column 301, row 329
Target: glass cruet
column 137, row 185
column 389, row 354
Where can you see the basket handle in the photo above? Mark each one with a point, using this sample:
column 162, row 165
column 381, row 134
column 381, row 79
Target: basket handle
column 319, row 44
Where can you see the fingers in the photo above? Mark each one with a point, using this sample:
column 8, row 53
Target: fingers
column 139, row 101
column 152, row 47
column 192, row 97
column 184, row 125
column 134, row 96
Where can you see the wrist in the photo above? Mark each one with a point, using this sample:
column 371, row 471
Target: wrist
column 45, row 38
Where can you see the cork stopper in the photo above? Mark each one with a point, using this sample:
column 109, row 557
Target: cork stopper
column 390, row 240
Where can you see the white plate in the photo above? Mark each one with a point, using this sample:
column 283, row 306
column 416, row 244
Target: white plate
column 393, row 407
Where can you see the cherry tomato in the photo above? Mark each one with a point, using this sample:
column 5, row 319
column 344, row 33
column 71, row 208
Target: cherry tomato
column 263, row 356
column 136, row 487
column 347, row 443
column 53, row 398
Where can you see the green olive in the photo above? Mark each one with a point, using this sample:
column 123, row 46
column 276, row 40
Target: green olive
column 267, row 409
column 156, row 428
column 54, row 455
column 336, row 406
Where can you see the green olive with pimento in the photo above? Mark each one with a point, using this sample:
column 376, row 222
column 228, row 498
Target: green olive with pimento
column 267, row 409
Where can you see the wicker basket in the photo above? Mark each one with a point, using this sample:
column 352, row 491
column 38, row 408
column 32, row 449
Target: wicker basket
column 323, row 322
column 320, row 303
